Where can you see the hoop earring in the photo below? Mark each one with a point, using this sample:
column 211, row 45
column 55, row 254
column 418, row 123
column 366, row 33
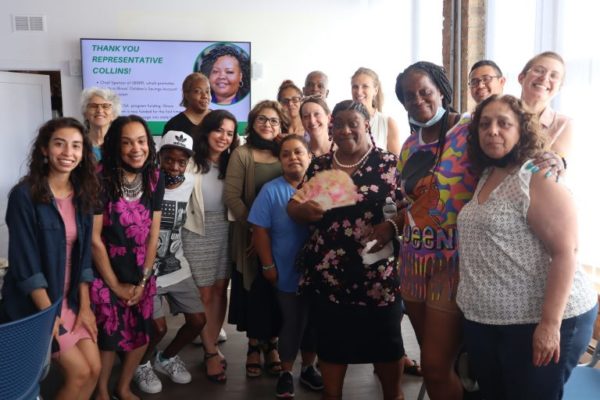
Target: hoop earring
column 241, row 83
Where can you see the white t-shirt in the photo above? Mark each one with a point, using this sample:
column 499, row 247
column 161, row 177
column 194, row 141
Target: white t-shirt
column 171, row 266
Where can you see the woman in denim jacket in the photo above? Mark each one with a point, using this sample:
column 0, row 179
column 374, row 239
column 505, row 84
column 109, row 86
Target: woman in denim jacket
column 49, row 219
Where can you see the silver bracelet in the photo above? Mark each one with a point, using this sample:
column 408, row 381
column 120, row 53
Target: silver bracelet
column 395, row 225
column 268, row 267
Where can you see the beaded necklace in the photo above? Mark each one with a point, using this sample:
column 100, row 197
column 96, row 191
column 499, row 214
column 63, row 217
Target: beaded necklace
column 356, row 164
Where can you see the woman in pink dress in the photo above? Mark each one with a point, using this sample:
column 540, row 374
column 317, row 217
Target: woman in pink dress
column 124, row 244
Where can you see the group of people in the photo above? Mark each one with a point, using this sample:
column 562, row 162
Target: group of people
column 481, row 253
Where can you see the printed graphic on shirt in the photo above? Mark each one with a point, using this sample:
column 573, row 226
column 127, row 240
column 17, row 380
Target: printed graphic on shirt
column 437, row 183
column 169, row 239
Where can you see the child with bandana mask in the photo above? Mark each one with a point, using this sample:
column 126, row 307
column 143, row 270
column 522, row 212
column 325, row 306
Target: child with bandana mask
column 174, row 281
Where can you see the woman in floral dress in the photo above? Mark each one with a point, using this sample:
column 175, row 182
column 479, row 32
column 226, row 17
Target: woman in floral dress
column 356, row 305
column 124, row 243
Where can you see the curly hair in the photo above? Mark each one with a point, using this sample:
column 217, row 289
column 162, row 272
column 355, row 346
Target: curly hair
column 112, row 163
column 531, row 144
column 378, row 99
column 226, row 49
column 106, row 94
column 83, row 177
column 188, row 84
column 211, row 123
column 438, row 77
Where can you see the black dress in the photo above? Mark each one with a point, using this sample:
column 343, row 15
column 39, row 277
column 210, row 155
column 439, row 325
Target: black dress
column 357, row 307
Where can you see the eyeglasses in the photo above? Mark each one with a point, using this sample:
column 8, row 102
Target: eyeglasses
column 293, row 100
column 540, row 71
column 94, row 106
column 261, row 119
column 485, row 79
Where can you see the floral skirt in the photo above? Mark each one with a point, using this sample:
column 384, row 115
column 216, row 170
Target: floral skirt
column 122, row 327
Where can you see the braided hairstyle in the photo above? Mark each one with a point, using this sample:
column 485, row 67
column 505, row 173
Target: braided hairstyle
column 437, row 75
column 351, row 105
column 435, row 72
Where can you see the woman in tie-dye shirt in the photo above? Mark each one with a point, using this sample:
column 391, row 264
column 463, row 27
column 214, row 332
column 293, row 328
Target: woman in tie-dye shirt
column 437, row 182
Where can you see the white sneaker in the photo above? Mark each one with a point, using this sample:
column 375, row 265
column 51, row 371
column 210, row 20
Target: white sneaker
column 146, row 379
column 174, row 367
column 197, row 340
column 222, row 336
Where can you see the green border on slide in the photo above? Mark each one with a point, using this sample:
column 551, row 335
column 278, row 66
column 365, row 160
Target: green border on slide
column 156, row 127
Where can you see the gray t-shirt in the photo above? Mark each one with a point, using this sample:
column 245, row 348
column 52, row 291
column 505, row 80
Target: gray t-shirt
column 212, row 190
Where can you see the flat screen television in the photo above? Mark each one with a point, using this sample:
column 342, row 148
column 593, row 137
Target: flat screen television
column 147, row 75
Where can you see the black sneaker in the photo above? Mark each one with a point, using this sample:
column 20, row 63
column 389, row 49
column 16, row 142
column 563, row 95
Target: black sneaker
column 285, row 386
column 311, row 378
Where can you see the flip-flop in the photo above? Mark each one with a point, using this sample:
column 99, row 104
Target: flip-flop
column 413, row 368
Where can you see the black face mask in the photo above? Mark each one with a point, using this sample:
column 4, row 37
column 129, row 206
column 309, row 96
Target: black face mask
column 259, row 143
column 510, row 158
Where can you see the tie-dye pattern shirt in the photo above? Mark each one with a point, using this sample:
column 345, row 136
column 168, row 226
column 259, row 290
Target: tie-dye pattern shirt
column 436, row 193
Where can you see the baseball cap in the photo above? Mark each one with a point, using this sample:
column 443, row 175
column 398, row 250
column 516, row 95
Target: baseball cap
column 177, row 140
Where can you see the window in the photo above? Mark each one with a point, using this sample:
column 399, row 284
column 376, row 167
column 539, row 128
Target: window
column 569, row 28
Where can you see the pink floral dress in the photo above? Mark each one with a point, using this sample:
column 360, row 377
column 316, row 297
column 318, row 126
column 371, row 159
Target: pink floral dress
column 331, row 258
column 125, row 232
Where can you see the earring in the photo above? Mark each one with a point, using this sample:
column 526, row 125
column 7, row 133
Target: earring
column 241, row 83
column 45, row 160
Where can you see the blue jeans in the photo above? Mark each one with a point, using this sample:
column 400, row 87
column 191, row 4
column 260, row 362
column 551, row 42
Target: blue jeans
column 502, row 358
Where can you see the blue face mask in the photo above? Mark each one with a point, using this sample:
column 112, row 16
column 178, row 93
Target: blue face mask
column 434, row 120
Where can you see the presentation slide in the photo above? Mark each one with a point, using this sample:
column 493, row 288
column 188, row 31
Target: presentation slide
column 147, row 75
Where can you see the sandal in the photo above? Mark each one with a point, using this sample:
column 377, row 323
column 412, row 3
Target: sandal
column 412, row 367
column 216, row 378
column 221, row 356
column 273, row 367
column 253, row 370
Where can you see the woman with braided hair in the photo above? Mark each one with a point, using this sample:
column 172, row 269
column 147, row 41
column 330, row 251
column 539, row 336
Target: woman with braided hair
column 437, row 182
column 356, row 301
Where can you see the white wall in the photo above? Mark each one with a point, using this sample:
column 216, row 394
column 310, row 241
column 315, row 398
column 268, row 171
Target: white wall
column 289, row 38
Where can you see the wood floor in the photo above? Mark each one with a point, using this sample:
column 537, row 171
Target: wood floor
column 360, row 381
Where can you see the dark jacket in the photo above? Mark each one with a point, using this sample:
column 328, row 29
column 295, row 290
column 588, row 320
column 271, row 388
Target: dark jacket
column 37, row 256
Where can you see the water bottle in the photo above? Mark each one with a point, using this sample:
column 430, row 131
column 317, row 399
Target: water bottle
column 389, row 209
